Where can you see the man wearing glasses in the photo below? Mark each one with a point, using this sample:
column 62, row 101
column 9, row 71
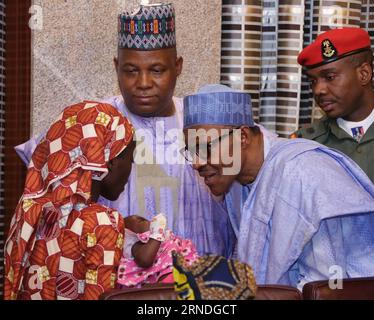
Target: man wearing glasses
column 147, row 67
column 300, row 210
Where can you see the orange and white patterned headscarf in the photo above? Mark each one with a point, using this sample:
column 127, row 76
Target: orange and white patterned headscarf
column 75, row 150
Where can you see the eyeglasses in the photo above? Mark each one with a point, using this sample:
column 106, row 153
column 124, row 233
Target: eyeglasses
column 205, row 150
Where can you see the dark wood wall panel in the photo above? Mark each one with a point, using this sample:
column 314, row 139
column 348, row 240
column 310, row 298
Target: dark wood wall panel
column 17, row 102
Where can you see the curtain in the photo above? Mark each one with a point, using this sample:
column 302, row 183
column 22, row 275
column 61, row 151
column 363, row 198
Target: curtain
column 260, row 44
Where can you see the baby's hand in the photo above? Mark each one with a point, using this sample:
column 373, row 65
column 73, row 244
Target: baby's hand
column 157, row 227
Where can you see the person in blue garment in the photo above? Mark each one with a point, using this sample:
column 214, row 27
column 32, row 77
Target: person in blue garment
column 301, row 212
column 147, row 67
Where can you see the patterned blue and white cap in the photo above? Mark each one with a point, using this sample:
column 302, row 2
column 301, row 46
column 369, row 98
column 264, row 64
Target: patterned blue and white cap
column 216, row 104
column 151, row 27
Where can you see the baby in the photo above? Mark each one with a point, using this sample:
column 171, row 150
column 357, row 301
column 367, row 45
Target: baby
column 147, row 253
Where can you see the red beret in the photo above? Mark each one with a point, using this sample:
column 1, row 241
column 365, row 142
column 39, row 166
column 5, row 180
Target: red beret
column 333, row 45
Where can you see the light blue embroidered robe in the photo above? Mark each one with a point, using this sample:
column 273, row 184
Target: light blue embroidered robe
column 310, row 209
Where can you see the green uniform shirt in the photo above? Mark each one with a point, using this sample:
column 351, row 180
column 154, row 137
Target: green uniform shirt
column 326, row 131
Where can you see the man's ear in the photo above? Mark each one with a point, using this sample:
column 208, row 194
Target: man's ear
column 115, row 62
column 244, row 136
column 365, row 73
column 179, row 65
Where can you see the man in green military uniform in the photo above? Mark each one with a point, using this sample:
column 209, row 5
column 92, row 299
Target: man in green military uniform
column 339, row 66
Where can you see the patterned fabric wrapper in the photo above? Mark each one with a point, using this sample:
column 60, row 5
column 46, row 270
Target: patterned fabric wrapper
column 217, row 104
column 60, row 244
column 213, row 278
column 131, row 275
column 151, row 27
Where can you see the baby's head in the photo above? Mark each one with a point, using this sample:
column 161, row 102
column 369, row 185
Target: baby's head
column 137, row 224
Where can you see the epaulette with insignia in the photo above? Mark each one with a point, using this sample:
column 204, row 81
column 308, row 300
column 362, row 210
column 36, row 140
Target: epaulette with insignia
column 313, row 131
column 294, row 135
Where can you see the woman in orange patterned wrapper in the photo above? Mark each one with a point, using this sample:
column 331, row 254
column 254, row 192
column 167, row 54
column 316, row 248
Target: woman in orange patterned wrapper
column 61, row 243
